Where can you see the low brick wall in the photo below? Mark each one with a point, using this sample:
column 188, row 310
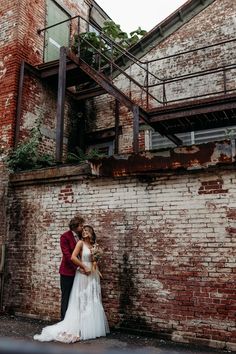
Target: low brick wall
column 169, row 265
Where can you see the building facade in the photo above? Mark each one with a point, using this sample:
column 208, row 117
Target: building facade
column 161, row 201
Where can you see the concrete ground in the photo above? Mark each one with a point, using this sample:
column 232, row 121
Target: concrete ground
column 20, row 331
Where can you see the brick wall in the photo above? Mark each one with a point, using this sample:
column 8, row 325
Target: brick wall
column 214, row 24
column 8, row 69
column 208, row 27
column 19, row 41
column 169, row 241
column 39, row 99
column 39, row 107
column 4, row 175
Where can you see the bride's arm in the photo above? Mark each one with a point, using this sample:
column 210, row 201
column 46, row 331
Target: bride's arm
column 76, row 260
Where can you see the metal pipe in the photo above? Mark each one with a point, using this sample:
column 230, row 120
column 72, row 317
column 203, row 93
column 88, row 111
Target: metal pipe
column 60, row 104
column 57, row 24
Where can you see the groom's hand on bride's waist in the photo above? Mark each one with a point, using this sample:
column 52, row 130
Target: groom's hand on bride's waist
column 81, row 270
column 85, row 271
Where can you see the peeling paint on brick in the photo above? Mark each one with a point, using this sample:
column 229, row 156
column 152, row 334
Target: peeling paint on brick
column 169, row 262
column 212, row 187
column 188, row 158
column 169, row 237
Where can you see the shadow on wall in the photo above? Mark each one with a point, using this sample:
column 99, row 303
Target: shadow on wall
column 129, row 292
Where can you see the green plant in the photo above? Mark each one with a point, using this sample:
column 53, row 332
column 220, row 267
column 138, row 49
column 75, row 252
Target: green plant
column 27, row 156
column 113, row 31
column 87, row 52
column 92, row 43
column 80, row 156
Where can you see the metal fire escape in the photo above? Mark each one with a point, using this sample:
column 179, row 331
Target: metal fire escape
column 95, row 71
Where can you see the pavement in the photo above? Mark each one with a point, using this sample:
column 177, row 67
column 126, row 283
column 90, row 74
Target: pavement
column 16, row 337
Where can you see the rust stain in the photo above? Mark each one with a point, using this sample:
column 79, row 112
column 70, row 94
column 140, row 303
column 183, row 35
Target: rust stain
column 231, row 230
column 188, row 158
column 231, row 213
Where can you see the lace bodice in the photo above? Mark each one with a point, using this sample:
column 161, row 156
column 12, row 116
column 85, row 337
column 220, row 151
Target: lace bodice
column 86, row 254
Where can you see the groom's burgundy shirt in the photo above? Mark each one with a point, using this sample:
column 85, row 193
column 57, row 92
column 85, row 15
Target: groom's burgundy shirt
column 67, row 243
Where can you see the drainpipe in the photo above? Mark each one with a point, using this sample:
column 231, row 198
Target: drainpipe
column 3, row 247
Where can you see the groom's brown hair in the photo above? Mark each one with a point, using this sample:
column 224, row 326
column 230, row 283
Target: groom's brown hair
column 76, row 221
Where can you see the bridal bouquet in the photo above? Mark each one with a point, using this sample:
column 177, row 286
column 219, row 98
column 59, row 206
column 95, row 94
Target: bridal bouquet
column 97, row 253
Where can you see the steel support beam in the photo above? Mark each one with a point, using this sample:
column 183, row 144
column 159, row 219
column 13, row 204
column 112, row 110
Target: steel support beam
column 114, row 91
column 117, row 123
column 60, row 104
column 135, row 129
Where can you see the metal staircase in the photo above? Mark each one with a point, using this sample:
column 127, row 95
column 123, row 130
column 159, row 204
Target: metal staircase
column 108, row 68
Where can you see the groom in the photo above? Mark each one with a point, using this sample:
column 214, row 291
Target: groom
column 67, row 269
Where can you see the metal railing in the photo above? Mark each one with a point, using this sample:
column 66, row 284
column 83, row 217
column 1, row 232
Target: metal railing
column 144, row 86
column 106, row 61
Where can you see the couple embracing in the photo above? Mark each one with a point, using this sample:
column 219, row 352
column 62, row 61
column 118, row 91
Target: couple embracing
column 82, row 313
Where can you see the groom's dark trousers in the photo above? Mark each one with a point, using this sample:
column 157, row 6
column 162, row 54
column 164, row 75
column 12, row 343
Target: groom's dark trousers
column 66, row 286
column 67, row 269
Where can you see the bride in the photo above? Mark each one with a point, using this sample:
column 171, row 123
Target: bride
column 85, row 317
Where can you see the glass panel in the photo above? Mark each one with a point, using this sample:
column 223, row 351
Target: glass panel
column 197, row 137
column 160, row 142
column 57, row 36
column 204, row 136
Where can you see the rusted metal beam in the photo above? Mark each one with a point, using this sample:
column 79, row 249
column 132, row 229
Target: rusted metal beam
column 194, row 108
column 33, row 70
column 177, row 141
column 88, row 93
column 135, row 129
column 47, row 72
column 60, row 104
column 117, row 123
column 154, row 162
column 104, row 82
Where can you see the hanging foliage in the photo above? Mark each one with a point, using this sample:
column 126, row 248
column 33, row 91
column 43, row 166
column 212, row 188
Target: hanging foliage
column 94, row 44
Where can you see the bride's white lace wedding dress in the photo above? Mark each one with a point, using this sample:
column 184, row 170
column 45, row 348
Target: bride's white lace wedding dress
column 85, row 317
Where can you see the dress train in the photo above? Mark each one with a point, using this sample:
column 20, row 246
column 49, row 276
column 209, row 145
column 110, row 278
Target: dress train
column 85, row 317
